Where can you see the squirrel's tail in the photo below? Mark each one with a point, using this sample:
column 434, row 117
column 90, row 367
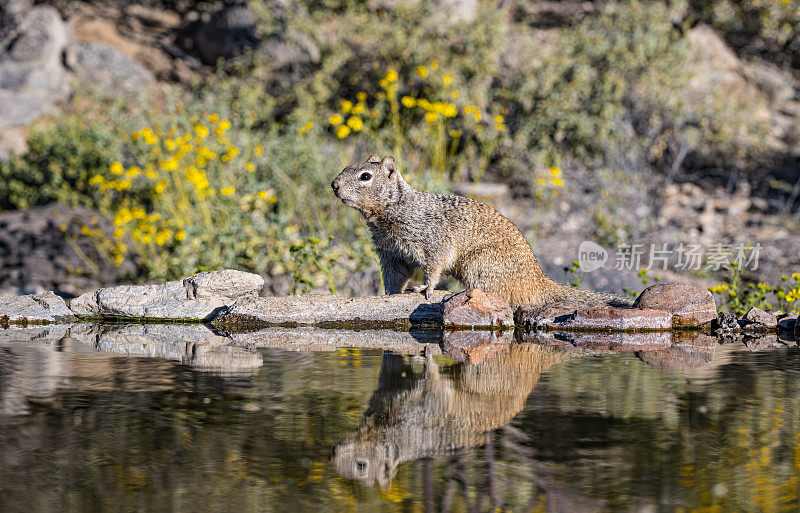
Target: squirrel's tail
column 589, row 298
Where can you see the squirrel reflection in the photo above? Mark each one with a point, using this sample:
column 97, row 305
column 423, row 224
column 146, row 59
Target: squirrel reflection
column 435, row 413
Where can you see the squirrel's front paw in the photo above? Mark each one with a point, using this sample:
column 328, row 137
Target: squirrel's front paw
column 421, row 288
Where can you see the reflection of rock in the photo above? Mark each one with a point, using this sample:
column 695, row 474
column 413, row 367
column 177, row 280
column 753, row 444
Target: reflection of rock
column 760, row 343
column 188, row 344
column 475, row 346
column 689, row 305
column 475, row 307
column 34, row 333
column 325, row 309
column 440, row 411
column 44, row 307
column 617, row 341
column 689, row 351
column 321, row 339
column 197, row 297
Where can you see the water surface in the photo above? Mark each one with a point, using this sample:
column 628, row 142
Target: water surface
column 530, row 428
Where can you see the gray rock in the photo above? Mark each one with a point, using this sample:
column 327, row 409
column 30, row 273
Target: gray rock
column 32, row 56
column 20, row 109
column 108, row 70
column 36, row 308
column 787, row 323
column 758, row 316
column 197, row 297
column 227, row 33
column 371, row 311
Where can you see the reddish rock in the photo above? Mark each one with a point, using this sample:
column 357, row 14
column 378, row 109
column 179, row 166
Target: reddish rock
column 615, row 319
column 758, row 316
column 474, row 307
column 475, row 346
column 689, row 305
column 536, row 317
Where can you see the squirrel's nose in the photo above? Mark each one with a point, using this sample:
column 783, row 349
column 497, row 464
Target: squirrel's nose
column 334, row 186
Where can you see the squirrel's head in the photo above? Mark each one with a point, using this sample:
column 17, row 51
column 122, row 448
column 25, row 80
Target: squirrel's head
column 369, row 186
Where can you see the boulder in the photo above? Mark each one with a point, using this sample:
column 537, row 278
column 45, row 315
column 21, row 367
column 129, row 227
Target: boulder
column 787, row 323
column 32, row 56
column 108, row 70
column 475, row 346
column 474, row 307
column 537, row 317
column 689, row 305
column 758, row 316
column 35, row 308
column 198, row 297
column 396, row 310
column 617, row 319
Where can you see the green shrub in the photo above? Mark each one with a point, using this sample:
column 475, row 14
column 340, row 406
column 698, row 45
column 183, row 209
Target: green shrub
column 63, row 154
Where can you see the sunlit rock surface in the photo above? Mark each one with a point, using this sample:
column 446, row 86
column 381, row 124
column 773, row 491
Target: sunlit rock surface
column 197, row 297
column 393, row 310
column 44, row 307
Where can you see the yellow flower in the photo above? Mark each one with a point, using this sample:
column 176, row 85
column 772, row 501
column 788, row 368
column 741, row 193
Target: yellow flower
column 119, row 233
column 422, row 71
column 138, row 212
column 342, row 131
column 180, row 235
column 123, row 185
column 200, row 162
column 408, row 101
column 170, row 144
column 227, row 191
column 213, row 118
column 201, row 131
column 454, row 93
column 132, row 172
column 96, row 179
column 434, row 64
column 449, row 110
column 232, row 150
column 305, row 128
column 146, row 238
column 159, row 188
column 116, row 168
column 500, row 127
column 346, row 106
column 498, row 118
column 250, row 166
column 358, row 109
column 259, row 151
column 558, row 182
column 455, row 134
column 263, row 194
column 151, row 173
column 118, row 259
column 336, row 119
column 152, row 218
column 123, row 216
column 223, row 125
column 447, row 79
column 391, row 76
column 168, row 165
column 355, row 123
column 225, row 158
column 162, row 237
column 796, row 276
column 431, row 117
column 206, row 153
column 361, row 96
column 554, row 171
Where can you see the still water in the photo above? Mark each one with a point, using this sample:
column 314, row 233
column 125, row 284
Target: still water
column 530, row 428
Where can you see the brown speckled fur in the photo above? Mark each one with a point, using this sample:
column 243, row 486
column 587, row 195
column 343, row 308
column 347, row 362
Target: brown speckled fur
column 448, row 234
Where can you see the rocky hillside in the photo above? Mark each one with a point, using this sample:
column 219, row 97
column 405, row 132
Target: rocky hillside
column 615, row 123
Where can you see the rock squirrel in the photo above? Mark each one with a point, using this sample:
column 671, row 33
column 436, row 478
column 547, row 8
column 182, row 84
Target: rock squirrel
column 448, row 234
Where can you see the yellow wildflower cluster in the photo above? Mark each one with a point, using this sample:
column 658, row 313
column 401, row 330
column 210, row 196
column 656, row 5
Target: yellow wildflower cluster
column 172, row 186
column 349, row 119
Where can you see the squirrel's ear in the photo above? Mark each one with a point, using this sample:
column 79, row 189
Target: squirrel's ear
column 389, row 166
column 374, row 159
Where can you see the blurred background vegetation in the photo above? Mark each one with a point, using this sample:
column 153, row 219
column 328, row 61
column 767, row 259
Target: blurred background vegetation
column 586, row 113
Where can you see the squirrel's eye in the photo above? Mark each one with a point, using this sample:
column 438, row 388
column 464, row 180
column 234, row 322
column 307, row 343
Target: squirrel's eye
column 364, row 177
